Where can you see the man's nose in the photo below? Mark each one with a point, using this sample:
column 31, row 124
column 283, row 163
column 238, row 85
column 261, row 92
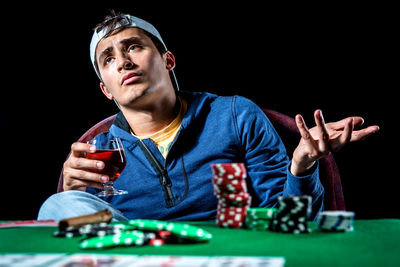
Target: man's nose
column 125, row 63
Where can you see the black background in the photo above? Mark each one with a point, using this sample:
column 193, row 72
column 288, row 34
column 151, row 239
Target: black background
column 290, row 58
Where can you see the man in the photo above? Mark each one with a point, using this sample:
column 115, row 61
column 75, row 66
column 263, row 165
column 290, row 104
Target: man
column 171, row 138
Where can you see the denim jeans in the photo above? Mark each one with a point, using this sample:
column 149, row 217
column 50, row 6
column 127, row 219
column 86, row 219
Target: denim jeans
column 74, row 203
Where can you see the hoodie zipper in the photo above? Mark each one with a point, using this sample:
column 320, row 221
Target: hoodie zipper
column 162, row 175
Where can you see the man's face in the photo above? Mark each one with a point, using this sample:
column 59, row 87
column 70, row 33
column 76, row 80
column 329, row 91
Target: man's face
column 131, row 66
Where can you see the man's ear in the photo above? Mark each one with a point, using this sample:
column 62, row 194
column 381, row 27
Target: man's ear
column 170, row 60
column 105, row 91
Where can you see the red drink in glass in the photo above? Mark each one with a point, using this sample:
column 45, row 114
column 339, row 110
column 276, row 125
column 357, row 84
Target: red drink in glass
column 114, row 161
column 112, row 153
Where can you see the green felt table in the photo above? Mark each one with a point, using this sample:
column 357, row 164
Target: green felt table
column 372, row 243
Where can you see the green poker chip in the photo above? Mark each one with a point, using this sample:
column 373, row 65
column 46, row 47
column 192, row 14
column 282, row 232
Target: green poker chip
column 261, row 213
column 258, row 225
column 189, row 232
column 141, row 224
column 181, row 230
column 260, row 219
column 124, row 238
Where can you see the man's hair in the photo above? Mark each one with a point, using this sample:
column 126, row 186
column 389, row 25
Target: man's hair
column 115, row 19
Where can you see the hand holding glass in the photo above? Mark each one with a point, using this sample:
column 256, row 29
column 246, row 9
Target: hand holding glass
column 113, row 155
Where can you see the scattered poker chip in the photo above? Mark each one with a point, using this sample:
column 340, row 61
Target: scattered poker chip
column 292, row 214
column 336, row 221
column 164, row 234
column 181, row 230
column 143, row 224
column 129, row 238
column 186, row 231
column 149, row 235
column 156, row 242
column 135, row 233
column 68, row 233
column 100, row 229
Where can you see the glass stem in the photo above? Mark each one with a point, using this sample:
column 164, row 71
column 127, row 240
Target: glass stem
column 109, row 186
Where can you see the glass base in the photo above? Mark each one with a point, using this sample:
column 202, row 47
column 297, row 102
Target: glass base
column 111, row 192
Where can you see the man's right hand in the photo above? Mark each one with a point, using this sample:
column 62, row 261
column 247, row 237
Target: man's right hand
column 80, row 172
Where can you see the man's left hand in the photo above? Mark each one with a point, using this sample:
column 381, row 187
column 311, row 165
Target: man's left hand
column 325, row 138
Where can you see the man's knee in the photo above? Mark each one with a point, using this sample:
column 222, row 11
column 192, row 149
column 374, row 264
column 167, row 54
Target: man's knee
column 65, row 205
column 74, row 203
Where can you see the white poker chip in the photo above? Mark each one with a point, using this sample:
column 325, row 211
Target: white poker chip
column 336, row 221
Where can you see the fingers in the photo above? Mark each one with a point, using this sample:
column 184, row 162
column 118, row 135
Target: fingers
column 325, row 138
column 306, row 151
column 301, row 125
column 79, row 149
column 340, row 125
column 79, row 180
column 308, row 146
column 344, row 137
column 80, row 172
column 316, row 142
column 322, row 132
column 84, row 163
column 348, row 129
column 362, row 134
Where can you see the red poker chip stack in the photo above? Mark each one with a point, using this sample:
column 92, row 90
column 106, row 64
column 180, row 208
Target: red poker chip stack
column 230, row 188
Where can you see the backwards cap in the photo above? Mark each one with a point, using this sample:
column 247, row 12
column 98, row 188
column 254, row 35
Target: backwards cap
column 128, row 21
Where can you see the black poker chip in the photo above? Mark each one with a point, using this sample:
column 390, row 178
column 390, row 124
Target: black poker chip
column 292, row 214
column 68, row 232
column 101, row 229
column 290, row 226
column 89, row 230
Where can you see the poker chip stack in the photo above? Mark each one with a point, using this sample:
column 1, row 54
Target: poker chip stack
column 336, row 221
column 259, row 218
column 292, row 214
column 230, row 188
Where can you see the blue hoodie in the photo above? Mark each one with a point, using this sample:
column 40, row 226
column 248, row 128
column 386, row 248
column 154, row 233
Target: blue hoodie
column 215, row 129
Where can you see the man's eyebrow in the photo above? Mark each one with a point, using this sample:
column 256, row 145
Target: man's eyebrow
column 131, row 40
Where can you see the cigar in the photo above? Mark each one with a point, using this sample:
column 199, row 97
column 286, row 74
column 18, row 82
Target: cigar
column 98, row 217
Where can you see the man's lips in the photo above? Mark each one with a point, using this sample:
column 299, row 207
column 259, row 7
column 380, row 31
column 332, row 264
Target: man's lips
column 130, row 78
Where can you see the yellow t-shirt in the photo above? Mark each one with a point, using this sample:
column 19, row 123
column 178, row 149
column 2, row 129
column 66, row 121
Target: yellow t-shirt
column 164, row 138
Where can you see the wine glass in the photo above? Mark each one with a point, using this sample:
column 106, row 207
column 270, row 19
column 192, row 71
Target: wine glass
column 112, row 153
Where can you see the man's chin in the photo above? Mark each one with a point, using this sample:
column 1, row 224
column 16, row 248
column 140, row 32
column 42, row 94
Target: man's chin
column 141, row 97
